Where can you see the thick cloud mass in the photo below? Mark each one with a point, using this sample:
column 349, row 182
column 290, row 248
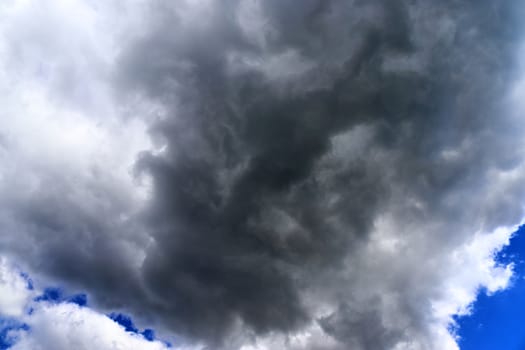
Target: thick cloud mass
column 326, row 174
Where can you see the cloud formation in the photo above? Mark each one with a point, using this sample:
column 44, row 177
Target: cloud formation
column 67, row 326
column 47, row 322
column 14, row 292
column 321, row 175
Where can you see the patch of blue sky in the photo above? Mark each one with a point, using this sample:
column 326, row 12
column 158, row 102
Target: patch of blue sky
column 51, row 294
column 28, row 280
column 9, row 330
column 57, row 295
column 79, row 299
column 498, row 320
column 128, row 324
column 125, row 321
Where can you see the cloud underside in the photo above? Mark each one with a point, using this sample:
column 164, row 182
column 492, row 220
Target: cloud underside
column 36, row 323
column 319, row 175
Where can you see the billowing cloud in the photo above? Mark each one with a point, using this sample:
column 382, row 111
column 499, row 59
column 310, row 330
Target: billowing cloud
column 47, row 322
column 57, row 139
column 67, row 326
column 14, row 292
column 314, row 175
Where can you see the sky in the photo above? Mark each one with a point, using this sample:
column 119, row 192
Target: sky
column 497, row 321
column 255, row 175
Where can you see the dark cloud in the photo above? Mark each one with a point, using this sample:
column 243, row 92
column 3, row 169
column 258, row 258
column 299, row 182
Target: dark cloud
column 290, row 129
column 362, row 330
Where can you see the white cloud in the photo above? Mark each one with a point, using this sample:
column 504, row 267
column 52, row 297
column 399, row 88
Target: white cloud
column 60, row 326
column 14, row 293
column 49, row 120
column 57, row 133
column 67, row 326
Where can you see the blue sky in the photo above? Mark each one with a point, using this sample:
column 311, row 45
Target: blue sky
column 498, row 320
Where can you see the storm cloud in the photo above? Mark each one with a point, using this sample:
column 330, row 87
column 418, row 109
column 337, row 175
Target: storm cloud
column 340, row 170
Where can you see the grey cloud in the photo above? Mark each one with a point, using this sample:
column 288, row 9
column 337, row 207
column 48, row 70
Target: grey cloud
column 78, row 234
column 269, row 188
column 361, row 330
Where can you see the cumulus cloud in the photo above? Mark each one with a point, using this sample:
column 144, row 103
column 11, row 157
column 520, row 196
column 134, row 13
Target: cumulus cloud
column 265, row 174
column 68, row 326
column 14, row 292
column 50, row 322
column 57, row 139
